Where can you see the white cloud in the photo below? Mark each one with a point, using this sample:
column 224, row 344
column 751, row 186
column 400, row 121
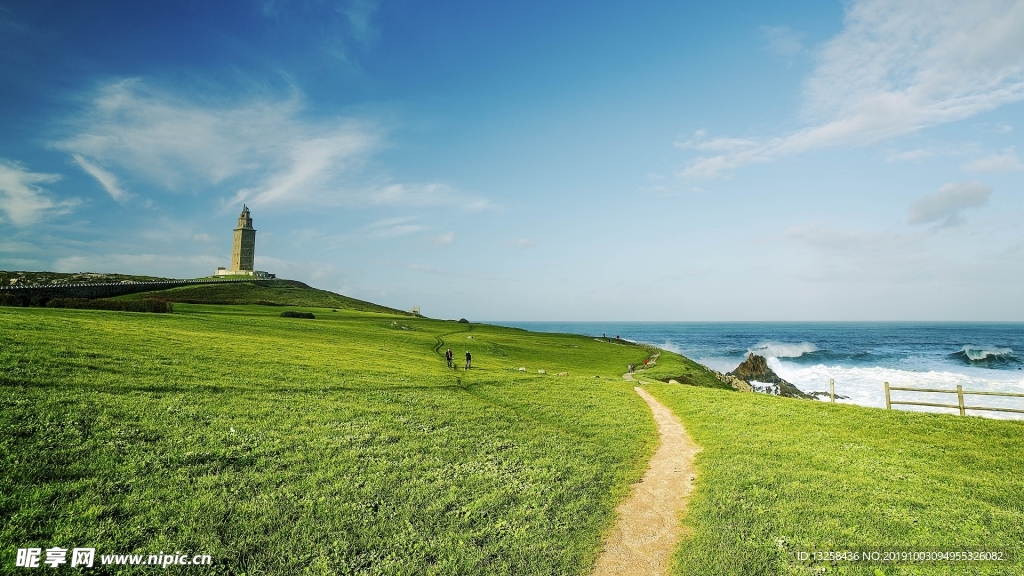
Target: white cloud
column 22, row 198
column 260, row 151
column 419, row 195
column 262, row 148
column 1005, row 162
column 911, row 155
column 522, row 243
column 897, row 66
column 782, row 41
column 204, row 237
column 948, row 203
column 698, row 142
column 343, row 26
column 394, row 227
column 446, row 239
column 359, row 14
column 106, row 179
column 313, row 166
column 1003, row 128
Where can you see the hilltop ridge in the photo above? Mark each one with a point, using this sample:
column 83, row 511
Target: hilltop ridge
column 233, row 292
column 263, row 292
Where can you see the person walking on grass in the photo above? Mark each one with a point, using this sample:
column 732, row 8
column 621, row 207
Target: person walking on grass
column 449, row 357
column 469, row 360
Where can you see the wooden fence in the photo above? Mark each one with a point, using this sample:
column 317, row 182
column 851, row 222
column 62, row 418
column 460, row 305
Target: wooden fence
column 960, row 393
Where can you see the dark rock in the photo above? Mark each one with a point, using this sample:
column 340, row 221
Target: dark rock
column 755, row 369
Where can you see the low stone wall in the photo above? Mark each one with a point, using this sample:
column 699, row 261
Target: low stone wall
column 34, row 295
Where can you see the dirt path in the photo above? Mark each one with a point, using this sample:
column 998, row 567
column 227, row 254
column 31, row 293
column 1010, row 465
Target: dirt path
column 647, row 524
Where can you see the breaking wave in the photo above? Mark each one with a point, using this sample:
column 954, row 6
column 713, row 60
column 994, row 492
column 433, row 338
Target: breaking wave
column 772, row 349
column 976, row 353
column 986, row 357
column 670, row 347
column 865, row 385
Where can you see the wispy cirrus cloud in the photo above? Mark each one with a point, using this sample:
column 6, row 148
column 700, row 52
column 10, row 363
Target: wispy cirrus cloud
column 420, row 195
column 782, row 40
column 912, row 155
column 342, row 28
column 106, row 179
column 446, row 239
column 263, row 148
column 23, row 199
column 394, row 227
column 359, row 14
column 1005, row 162
column 897, row 67
column 261, row 151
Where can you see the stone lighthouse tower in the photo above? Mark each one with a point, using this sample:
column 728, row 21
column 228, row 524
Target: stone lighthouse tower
column 244, row 249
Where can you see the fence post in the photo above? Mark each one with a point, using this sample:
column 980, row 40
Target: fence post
column 832, row 389
column 888, row 405
column 960, row 397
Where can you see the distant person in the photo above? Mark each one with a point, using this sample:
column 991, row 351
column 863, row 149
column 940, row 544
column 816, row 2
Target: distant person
column 645, row 362
column 449, row 356
column 469, row 360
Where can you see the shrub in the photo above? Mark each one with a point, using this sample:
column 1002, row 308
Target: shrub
column 463, row 321
column 294, row 314
column 15, row 299
column 143, row 305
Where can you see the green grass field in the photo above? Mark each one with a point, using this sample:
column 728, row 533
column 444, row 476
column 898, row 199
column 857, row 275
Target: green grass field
column 779, row 475
column 343, row 445
column 336, row 445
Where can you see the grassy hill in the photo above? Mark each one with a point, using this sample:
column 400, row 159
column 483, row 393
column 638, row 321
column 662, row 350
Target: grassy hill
column 344, row 445
column 336, row 445
column 267, row 293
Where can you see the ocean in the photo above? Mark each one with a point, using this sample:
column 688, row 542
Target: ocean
column 860, row 356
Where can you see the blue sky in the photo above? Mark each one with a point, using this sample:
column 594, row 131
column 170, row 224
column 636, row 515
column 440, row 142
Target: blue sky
column 531, row 161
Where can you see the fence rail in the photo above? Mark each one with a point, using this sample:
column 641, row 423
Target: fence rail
column 960, row 393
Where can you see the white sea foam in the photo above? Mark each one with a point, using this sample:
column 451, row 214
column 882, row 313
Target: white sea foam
column 981, row 352
column 772, row 349
column 670, row 347
column 865, row 386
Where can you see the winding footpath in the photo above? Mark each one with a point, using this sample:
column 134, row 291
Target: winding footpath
column 647, row 526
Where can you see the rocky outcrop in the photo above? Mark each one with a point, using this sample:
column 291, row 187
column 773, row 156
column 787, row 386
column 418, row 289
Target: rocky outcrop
column 755, row 369
column 737, row 384
column 733, row 382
